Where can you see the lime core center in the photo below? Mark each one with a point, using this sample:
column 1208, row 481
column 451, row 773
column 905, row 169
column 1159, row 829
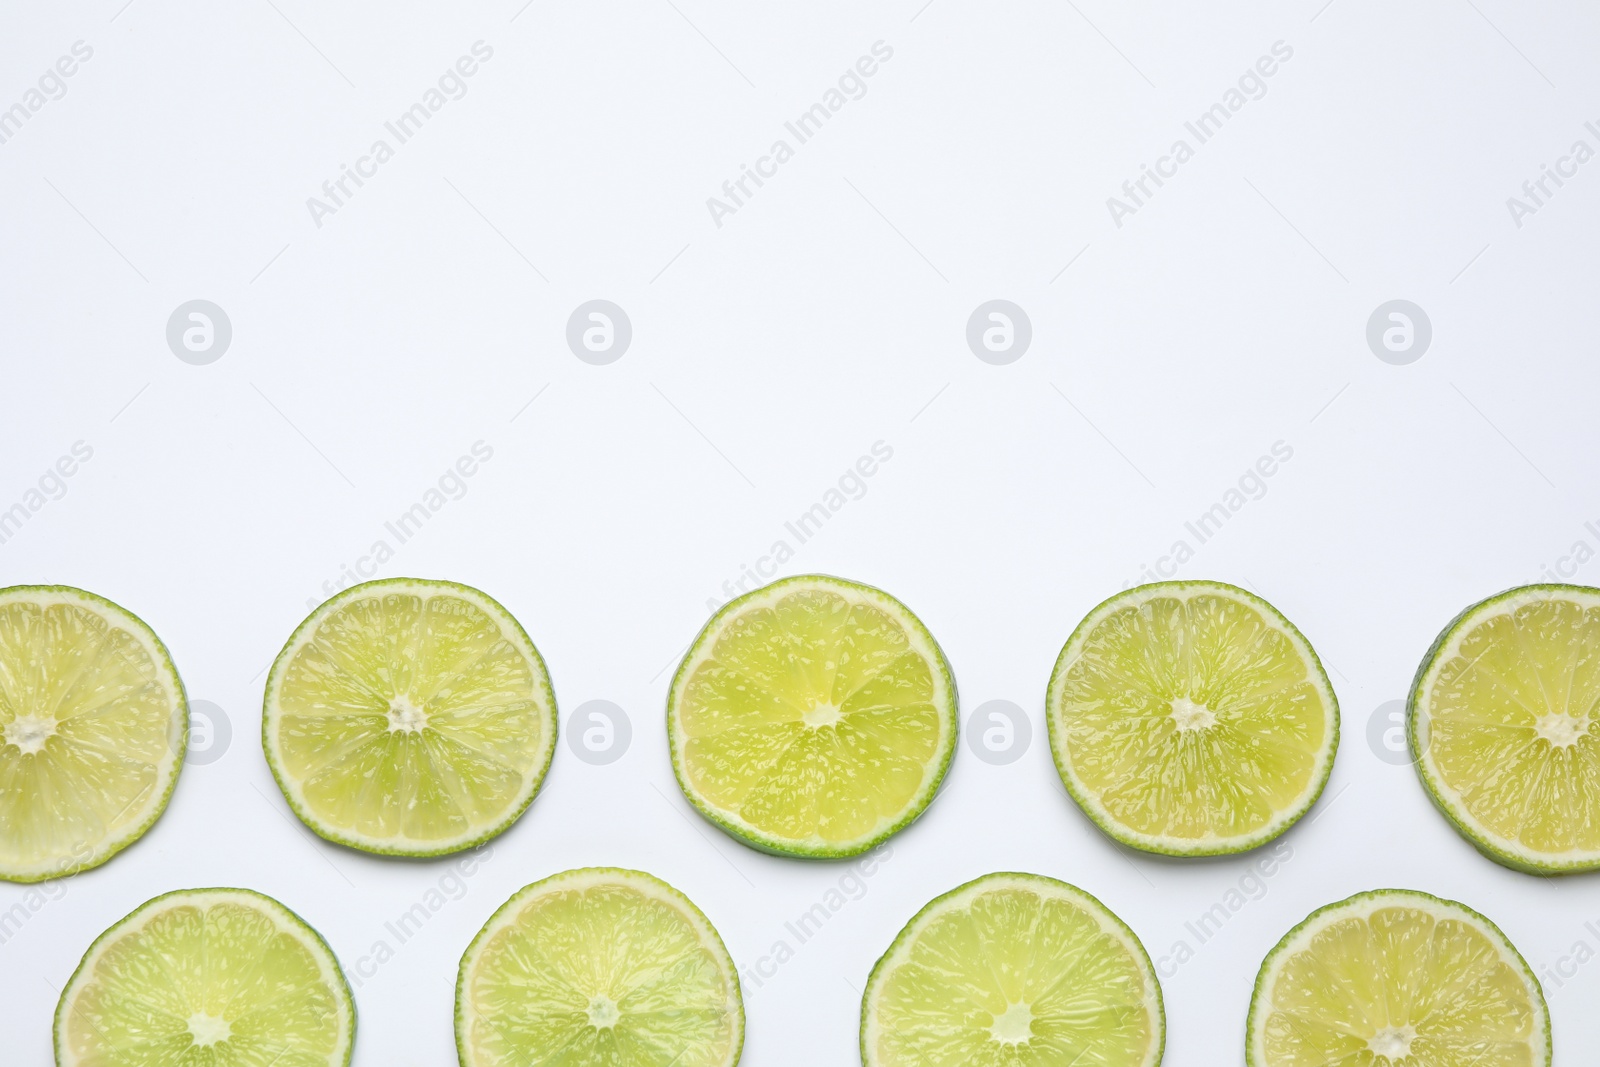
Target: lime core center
column 1191, row 716
column 406, row 717
column 29, row 732
column 603, row 1012
column 208, row 1029
column 822, row 715
column 1561, row 730
column 1014, row 1026
column 1393, row 1042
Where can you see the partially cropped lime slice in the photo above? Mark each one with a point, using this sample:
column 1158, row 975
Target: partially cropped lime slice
column 207, row 978
column 1503, row 727
column 409, row 717
column 1013, row 970
column 93, row 726
column 598, row 968
column 1192, row 719
column 1395, row 977
column 812, row 717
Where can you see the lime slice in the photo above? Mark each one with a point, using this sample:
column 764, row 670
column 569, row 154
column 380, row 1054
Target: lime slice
column 93, row 726
column 1013, row 970
column 1396, row 977
column 207, row 978
column 409, row 717
column 812, row 717
column 1191, row 719
column 598, row 967
column 1502, row 726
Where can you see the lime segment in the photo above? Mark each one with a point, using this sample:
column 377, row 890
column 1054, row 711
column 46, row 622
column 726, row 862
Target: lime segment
column 411, row 717
column 1503, row 719
column 812, row 717
column 598, row 968
column 207, row 978
column 1397, row 977
column 1191, row 718
column 1013, row 970
column 93, row 725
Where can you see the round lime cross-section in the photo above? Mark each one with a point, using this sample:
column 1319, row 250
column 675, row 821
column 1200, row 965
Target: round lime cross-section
column 1013, row 970
column 93, row 727
column 598, row 968
column 812, row 717
column 1505, row 727
column 1191, row 719
column 409, row 717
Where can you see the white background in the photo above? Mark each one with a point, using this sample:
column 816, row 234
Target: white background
column 768, row 354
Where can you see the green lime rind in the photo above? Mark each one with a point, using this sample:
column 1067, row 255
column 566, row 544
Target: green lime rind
column 1480, row 837
column 751, row 836
column 316, row 943
column 511, row 627
column 1169, row 846
column 656, row 887
column 1256, row 1015
column 1054, row 887
column 178, row 739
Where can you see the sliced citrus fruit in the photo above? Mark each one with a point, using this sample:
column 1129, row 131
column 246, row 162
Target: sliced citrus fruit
column 409, row 717
column 812, row 717
column 207, row 978
column 598, row 966
column 1013, row 970
column 1502, row 726
column 1191, row 719
column 93, row 726
column 1396, row 977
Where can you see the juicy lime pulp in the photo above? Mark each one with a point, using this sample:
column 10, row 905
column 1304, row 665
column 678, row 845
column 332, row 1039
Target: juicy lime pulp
column 598, row 967
column 812, row 717
column 207, row 978
column 93, row 727
column 1503, row 726
column 1191, row 718
column 1013, row 970
column 1393, row 974
column 410, row 717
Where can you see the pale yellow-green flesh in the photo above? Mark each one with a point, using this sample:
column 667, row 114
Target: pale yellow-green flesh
column 1538, row 666
column 602, row 976
column 369, row 664
column 1014, row 979
column 215, row 986
column 850, row 669
column 92, row 694
column 1228, row 778
column 1402, row 978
